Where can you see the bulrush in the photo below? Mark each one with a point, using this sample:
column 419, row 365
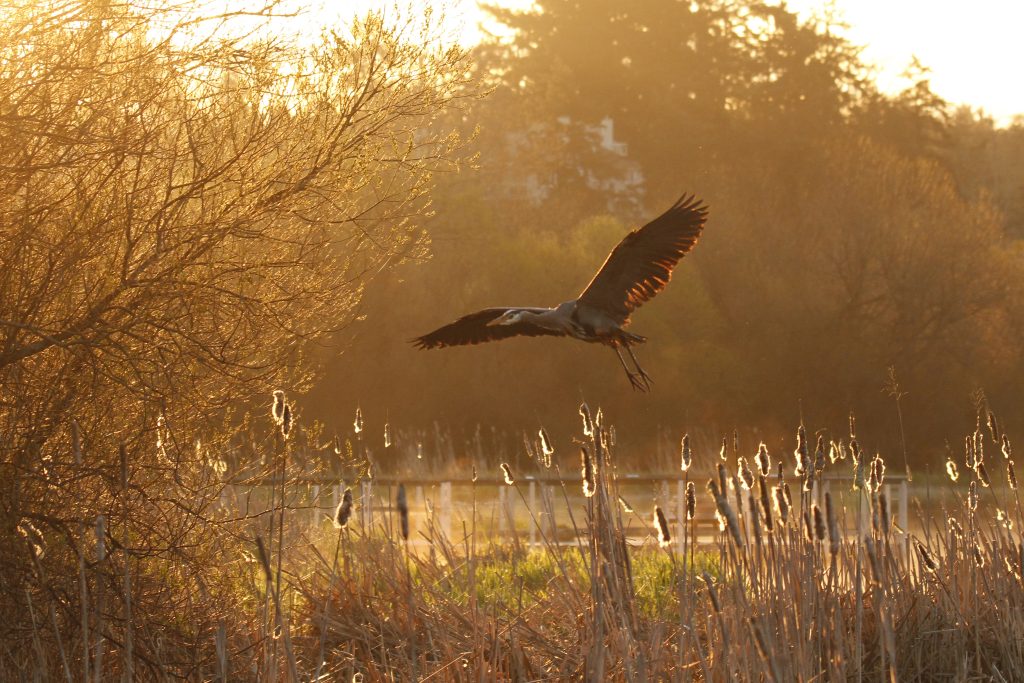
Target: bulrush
column 927, row 560
column 781, row 505
column 588, row 421
column 1011, row 475
column 993, row 427
column 387, row 435
column 712, row 593
column 877, row 476
column 808, row 527
column 723, row 452
column 686, row 455
column 834, row 539
column 746, row 476
column 344, row 510
column 952, row 470
column 766, row 503
column 403, row 511
column 969, row 458
column 763, row 460
column 972, row 496
column 589, row 478
column 819, row 455
column 800, row 453
column 979, row 558
column 357, row 423
column 691, row 500
column 277, row 407
column 727, row 513
column 983, row 475
column 819, row 522
column 661, row 525
column 286, row 421
column 755, row 518
column 884, row 517
column 507, row 473
column 1005, row 448
column 545, row 443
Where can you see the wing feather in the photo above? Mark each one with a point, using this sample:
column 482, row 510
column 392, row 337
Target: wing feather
column 474, row 329
column 641, row 265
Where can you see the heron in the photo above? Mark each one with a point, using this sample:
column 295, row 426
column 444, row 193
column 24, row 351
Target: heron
column 635, row 271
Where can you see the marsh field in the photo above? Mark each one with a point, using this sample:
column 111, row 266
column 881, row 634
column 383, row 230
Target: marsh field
column 233, row 239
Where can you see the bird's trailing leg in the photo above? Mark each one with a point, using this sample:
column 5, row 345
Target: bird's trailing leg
column 640, row 371
column 636, row 379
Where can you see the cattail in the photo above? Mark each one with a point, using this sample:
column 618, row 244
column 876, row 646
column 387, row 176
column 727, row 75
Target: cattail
column 926, row 557
column 387, row 435
column 876, row 567
column 781, row 505
column 746, row 476
column 712, row 593
column 626, row 507
column 819, row 522
column 884, row 516
column 545, row 442
column 1011, row 475
column 611, row 435
column 727, row 513
column 589, row 479
column 1005, row 448
column 599, row 420
column 735, row 442
column 588, row 421
column 763, row 460
column 954, row 527
column 787, row 494
column 853, row 426
column 337, row 445
column 833, row 452
column 800, row 453
column 754, row 517
column 277, row 407
column 122, row 456
column 877, row 473
column 357, row 424
column 780, row 475
column 833, row 526
column 969, row 458
column 808, row 527
column 983, row 475
column 993, row 427
column 723, row 451
column 344, row 510
column 951, row 470
column 979, row 447
column 766, row 505
column 979, row 559
column 507, row 472
column 403, row 511
column 286, row 421
column 858, row 472
column 819, row 454
column 723, row 476
column 686, row 455
column 1003, row 518
column 661, row 525
column 972, row 496
column 691, row 500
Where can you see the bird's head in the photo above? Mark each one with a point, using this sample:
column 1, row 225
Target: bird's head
column 507, row 318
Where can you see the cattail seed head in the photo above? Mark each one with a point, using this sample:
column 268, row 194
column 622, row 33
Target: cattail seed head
column 884, row 516
column 927, row 560
column 589, row 478
column 746, row 476
column 286, row 421
column 712, row 593
column 723, row 451
column 763, row 460
column 661, row 526
column 800, row 453
column 969, row 458
column 877, row 473
column 781, row 505
column 979, row 558
column 344, row 510
column 819, row 522
column 1011, row 475
column 833, row 452
column 686, row 455
column 545, row 443
column 993, row 427
column 506, row 471
column 755, row 517
column 357, row 423
column 853, row 426
column 726, row 513
column 808, row 527
column 691, row 500
column 972, row 496
column 834, row 540
column 387, row 435
column 626, row 507
column 766, row 504
column 983, row 475
column 588, row 421
column 819, row 454
column 723, row 477
column 1005, row 448
column 403, row 511
column 951, row 470
column 277, row 407
column 954, row 527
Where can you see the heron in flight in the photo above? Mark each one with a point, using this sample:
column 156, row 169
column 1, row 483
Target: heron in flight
column 636, row 270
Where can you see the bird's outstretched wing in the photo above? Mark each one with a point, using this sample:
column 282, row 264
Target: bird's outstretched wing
column 474, row 329
column 641, row 265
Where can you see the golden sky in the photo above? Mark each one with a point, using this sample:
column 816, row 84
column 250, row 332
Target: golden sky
column 974, row 49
